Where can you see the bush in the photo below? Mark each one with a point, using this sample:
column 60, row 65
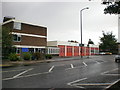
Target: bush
column 26, row 56
column 48, row 56
column 13, row 57
column 38, row 56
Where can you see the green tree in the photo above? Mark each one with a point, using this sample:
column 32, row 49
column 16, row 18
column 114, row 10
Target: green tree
column 6, row 42
column 108, row 42
column 112, row 7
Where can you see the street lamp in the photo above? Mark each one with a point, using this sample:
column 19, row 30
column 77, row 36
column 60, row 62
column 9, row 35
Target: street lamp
column 81, row 26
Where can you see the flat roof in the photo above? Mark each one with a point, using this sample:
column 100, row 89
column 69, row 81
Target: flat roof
column 13, row 20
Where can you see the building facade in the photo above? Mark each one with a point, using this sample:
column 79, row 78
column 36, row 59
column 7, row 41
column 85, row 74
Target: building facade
column 73, row 49
column 27, row 37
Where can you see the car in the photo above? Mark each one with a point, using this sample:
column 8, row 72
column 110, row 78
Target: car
column 105, row 53
column 117, row 58
column 102, row 53
column 108, row 53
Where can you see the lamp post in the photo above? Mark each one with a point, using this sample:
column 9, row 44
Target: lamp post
column 81, row 27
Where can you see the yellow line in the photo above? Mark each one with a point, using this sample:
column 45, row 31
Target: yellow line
column 4, row 65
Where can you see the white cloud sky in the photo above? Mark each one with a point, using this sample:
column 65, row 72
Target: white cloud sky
column 62, row 18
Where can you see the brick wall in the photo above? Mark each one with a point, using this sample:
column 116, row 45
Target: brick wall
column 29, row 29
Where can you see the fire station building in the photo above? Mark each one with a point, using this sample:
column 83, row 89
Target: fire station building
column 64, row 48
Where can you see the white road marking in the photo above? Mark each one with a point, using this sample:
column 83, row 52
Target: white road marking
column 76, row 86
column 22, row 73
column 112, row 74
column 71, row 83
column 12, row 70
column 92, row 84
column 85, row 64
column 112, row 84
column 97, row 62
column 76, row 81
column 8, row 78
column 51, row 69
column 71, row 65
column 27, row 76
column 104, row 73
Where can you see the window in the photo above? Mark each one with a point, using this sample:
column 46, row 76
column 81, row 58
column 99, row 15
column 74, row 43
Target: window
column 18, row 50
column 17, row 25
column 17, row 38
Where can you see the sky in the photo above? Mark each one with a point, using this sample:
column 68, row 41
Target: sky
column 62, row 19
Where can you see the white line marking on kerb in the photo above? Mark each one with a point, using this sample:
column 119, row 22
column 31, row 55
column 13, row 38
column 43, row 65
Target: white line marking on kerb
column 22, row 73
column 85, row 64
column 71, row 65
column 51, row 69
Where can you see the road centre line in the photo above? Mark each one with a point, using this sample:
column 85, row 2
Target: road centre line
column 51, row 69
column 26, row 76
column 112, row 84
column 22, row 73
column 85, row 64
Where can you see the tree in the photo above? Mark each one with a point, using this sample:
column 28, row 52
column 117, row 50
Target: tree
column 6, row 42
column 108, row 42
column 112, row 7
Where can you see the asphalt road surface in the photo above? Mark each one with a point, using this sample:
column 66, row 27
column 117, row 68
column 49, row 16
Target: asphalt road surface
column 99, row 72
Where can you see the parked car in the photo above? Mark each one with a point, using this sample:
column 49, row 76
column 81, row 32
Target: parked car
column 117, row 58
column 108, row 53
column 105, row 53
column 102, row 53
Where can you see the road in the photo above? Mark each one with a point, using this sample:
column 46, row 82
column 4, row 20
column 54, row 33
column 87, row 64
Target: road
column 99, row 72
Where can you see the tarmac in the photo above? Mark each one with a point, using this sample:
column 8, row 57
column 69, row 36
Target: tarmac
column 116, row 86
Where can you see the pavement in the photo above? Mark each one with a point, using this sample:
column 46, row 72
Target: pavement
column 96, row 72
